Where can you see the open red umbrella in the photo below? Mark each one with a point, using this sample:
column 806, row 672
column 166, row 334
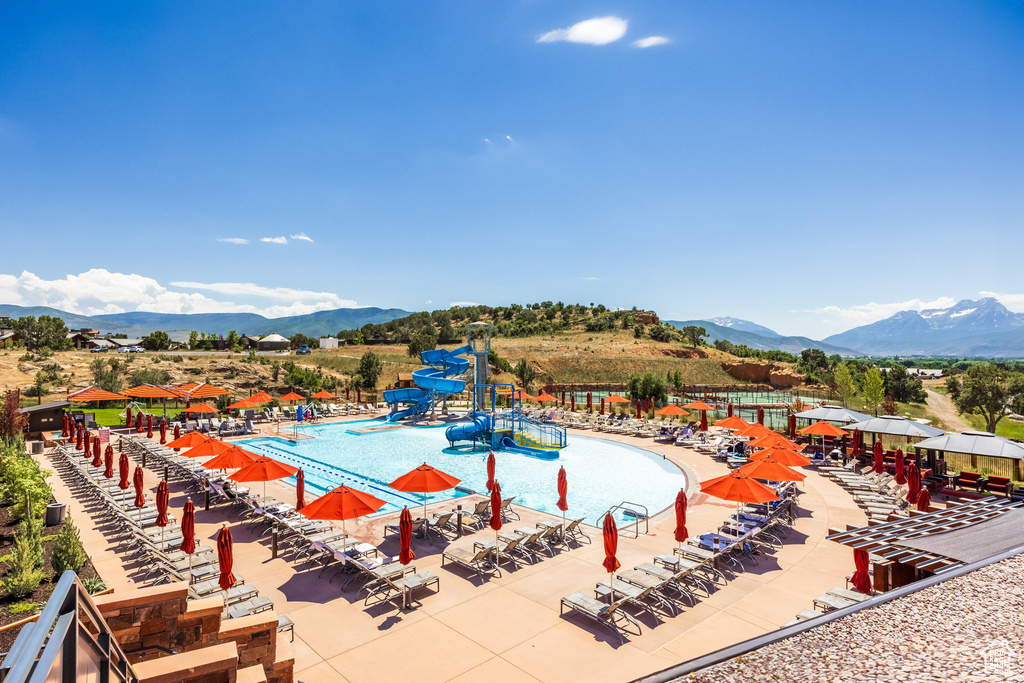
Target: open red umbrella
column 225, row 558
column 563, row 491
column 207, row 448
column 680, row 533
column 755, row 431
column 861, row 580
column 738, row 487
column 425, row 479
column 108, row 456
column 342, row 503
column 781, row 455
column 768, row 469
column 188, row 532
column 138, row 423
column 128, row 416
column 490, row 470
column 913, row 482
column 300, row 490
column 163, row 431
column 405, row 553
column 879, row 465
column 610, row 534
column 122, row 466
column 774, row 441
column 140, row 496
column 733, row 422
column 263, row 469
column 163, row 497
column 97, row 456
column 149, row 426
column 189, row 440
column 901, row 476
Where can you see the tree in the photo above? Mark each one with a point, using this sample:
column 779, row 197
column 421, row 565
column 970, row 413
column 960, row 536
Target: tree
column 447, row 334
column 22, row 477
column 525, row 373
column 646, row 386
column 724, row 345
column 298, row 339
column 23, row 576
column 903, row 386
column 12, row 420
column 422, row 341
column 677, row 380
column 370, row 368
column 694, row 334
column 156, row 341
column 68, row 552
column 232, row 339
column 844, row 382
column 39, row 387
column 874, row 388
column 889, row 406
column 193, row 339
column 46, row 332
column 106, row 374
column 988, row 391
column 953, row 387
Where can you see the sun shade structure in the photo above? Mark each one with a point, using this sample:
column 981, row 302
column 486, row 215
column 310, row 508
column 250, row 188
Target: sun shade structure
column 263, row 469
column 235, row 457
column 244, row 404
column 975, row 443
column 208, row 448
column 755, row 431
column 190, row 440
column 151, row 391
column 425, row 479
column 671, row 409
column 545, row 397
column 738, row 488
column 775, row 441
column 201, row 408
column 342, row 503
column 698, row 405
column 292, row 396
column 94, row 394
column 781, row 455
column 261, row 397
column 893, row 425
column 615, row 398
column 323, row 393
column 193, row 390
column 771, row 470
column 823, row 429
column 733, row 422
column 832, row 414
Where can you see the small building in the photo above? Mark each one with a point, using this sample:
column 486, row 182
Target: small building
column 405, row 381
column 274, row 342
column 79, row 340
column 328, row 343
column 249, row 341
column 45, row 417
column 105, row 343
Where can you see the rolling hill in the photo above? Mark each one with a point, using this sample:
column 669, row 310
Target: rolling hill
column 736, row 335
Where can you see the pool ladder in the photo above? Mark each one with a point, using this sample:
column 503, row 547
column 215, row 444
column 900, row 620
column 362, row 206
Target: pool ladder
column 635, row 510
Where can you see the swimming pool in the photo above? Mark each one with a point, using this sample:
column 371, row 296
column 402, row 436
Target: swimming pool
column 601, row 473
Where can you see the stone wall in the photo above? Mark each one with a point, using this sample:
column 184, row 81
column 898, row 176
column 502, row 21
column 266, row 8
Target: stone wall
column 762, row 372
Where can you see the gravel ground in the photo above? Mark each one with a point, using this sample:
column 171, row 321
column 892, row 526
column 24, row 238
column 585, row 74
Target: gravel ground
column 965, row 629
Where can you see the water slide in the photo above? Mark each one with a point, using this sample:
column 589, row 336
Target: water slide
column 433, row 382
column 508, row 444
column 477, row 427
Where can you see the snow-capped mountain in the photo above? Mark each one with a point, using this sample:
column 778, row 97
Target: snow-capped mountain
column 743, row 326
column 982, row 327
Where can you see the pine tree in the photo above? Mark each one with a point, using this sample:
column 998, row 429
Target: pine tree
column 68, row 552
column 22, row 577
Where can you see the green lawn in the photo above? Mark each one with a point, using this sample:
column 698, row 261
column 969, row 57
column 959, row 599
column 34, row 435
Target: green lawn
column 1006, row 428
column 111, row 417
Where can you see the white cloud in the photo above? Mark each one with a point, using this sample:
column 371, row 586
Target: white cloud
column 233, row 240
column 301, row 236
column 598, row 31
column 651, row 41
column 98, row 291
column 865, row 314
column 428, row 302
column 487, row 140
column 274, row 240
column 509, row 138
column 1015, row 302
column 590, row 278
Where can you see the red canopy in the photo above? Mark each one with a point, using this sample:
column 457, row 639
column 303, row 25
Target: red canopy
column 225, row 558
column 163, row 497
column 188, row 528
column 137, row 479
column 108, row 456
column 681, row 534
column 495, row 521
column 90, row 394
column 901, row 475
column 405, row 554
column 860, row 579
column 611, row 544
column 563, row 490
column 300, row 491
column 490, row 470
column 122, row 466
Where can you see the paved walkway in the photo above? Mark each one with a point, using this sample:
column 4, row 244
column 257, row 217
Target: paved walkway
column 508, row 628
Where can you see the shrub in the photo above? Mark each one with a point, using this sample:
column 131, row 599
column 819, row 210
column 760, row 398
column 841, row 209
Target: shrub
column 93, row 585
column 22, row 607
column 22, row 476
column 68, row 552
column 23, row 577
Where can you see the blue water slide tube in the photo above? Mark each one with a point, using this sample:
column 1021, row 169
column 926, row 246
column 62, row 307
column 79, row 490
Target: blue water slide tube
column 508, row 444
column 432, row 381
column 419, row 401
column 468, row 431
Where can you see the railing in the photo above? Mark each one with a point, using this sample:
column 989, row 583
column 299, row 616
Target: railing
column 545, row 435
column 635, row 510
column 69, row 641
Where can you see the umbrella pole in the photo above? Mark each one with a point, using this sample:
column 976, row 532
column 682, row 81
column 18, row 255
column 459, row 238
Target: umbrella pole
column 405, row 595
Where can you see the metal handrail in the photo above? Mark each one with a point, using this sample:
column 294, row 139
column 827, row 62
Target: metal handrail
column 631, row 507
column 60, row 637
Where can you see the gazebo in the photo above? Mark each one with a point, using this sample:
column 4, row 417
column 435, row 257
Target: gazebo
column 832, row 414
column 971, row 450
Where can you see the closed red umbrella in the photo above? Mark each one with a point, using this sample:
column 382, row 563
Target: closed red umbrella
column 225, row 558
column 86, row 438
column 140, row 497
column 681, row 534
column 359, row 395
column 913, row 482
column 188, row 532
column 163, row 432
column 861, row 580
column 128, row 416
column 490, row 470
column 138, row 423
column 760, row 416
column 572, row 402
column 495, row 521
column 879, row 465
column 590, row 401
column 177, row 434
column 300, row 491
column 108, row 456
column 64, row 426
column 611, row 544
column 602, row 407
column 901, row 477
column 924, row 500
column 792, row 425
column 405, row 553
column 149, row 426
column 97, row 456
column 647, row 405
column 703, row 420
column 563, row 399
column 563, row 491
column 855, row 453
column 122, row 466
column 163, row 497
column 728, row 410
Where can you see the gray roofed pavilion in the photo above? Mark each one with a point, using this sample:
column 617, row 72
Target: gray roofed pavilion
column 975, row 443
column 894, row 425
column 832, row 414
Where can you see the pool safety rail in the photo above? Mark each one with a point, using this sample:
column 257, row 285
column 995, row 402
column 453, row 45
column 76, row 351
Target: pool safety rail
column 291, row 433
column 638, row 512
column 530, row 432
column 69, row 641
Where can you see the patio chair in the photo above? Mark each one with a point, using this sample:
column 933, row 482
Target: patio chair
column 419, row 529
column 284, row 623
column 506, row 508
column 478, row 562
column 574, row 531
column 249, row 607
column 609, row 615
column 386, row 589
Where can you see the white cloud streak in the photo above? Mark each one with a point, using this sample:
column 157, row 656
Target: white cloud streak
column 302, row 237
column 233, row 240
column 864, row 314
column 651, row 41
column 274, row 240
column 590, row 278
column 98, row 291
column 597, row 31
column 1014, row 302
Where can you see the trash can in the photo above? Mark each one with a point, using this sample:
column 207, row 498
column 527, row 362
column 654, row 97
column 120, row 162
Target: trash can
column 55, row 513
column 37, row 447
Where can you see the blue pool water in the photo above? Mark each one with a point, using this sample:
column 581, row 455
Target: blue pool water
column 601, row 473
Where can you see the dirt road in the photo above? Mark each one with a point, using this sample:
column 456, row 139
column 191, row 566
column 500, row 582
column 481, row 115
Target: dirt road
column 941, row 406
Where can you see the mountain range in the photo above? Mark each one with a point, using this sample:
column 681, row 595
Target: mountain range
column 982, row 328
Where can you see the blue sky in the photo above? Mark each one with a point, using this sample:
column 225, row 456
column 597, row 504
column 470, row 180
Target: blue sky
column 806, row 165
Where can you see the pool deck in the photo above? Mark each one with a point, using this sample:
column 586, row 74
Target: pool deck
column 508, row 628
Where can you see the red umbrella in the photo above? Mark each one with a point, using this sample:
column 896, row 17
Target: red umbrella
column 128, row 416
column 405, row 554
column 611, row 544
column 738, row 487
column 109, row 457
column 602, row 407
column 792, row 424
column 188, row 532
column 924, row 500
column 901, row 477
column 225, row 558
column 769, row 469
column 359, row 395
column 728, row 410
column 163, row 497
column 913, row 482
column 572, row 402
column 760, row 416
column 563, row 399
column 638, row 407
column 190, row 440
column 64, row 426
column 704, row 420
column 425, row 479
column 490, row 470
column 342, row 503
column 879, row 458
column 860, row 579
column 681, row 534
column 163, row 432
column 140, row 497
column 856, row 444
column 563, row 491
column 300, row 491
column 647, row 405
column 86, row 438
column 177, row 433
column 495, row 521
column 782, row 456
column 149, row 426
column 97, row 457
column 122, row 466
column 590, row 401
column 138, row 423
column 263, row 469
